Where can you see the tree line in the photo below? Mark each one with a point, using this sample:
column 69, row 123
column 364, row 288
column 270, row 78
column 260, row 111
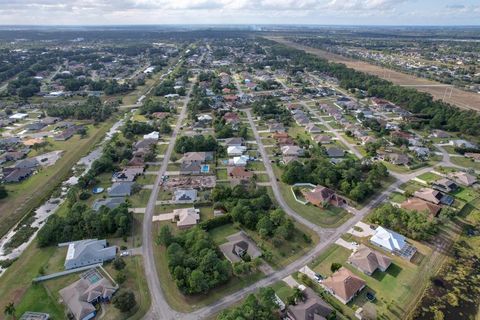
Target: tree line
column 81, row 222
column 92, row 109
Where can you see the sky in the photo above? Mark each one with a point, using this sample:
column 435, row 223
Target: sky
column 319, row 12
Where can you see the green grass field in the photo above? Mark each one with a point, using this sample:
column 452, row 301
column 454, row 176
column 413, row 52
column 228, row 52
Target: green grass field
column 429, row 177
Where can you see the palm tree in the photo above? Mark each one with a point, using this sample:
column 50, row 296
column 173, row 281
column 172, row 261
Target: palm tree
column 10, row 310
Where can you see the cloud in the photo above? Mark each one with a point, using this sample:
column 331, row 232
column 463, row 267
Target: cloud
column 359, row 5
column 456, row 6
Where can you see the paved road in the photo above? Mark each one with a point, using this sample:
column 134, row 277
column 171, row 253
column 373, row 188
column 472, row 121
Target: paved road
column 159, row 308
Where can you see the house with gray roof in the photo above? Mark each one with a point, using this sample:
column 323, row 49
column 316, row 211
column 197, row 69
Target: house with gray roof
column 110, row 203
column 120, row 189
column 239, row 245
column 87, row 252
column 185, row 196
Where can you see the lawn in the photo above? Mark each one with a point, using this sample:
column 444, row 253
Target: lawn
column 282, row 290
column 332, row 217
column 466, row 194
column 464, row 162
column 221, row 174
column 29, row 194
column 256, row 166
column 219, row 234
column 140, row 199
column 429, row 177
column 397, row 197
column 184, row 303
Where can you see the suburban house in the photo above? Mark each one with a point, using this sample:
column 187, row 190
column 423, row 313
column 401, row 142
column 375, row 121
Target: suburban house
column 16, row 174
column 240, row 161
column 186, row 217
column 334, row 152
column 472, row 155
column 236, row 150
column 197, row 157
column 343, row 285
column 185, row 195
column 322, row 196
column 445, row 185
column 392, row 242
column 368, row 260
column 67, row 133
column 463, row 178
column 322, row 139
column 292, row 151
column 398, row 159
column 87, row 252
column 128, row 174
column 82, row 295
column 462, row 144
column 419, row 205
column 312, row 128
column 110, row 203
column 276, row 127
column 120, row 189
column 239, row 175
column 434, row 196
column 234, row 142
column 311, row 307
column 238, row 245
column 155, row 135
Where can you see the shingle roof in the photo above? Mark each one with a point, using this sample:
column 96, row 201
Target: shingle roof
column 344, row 284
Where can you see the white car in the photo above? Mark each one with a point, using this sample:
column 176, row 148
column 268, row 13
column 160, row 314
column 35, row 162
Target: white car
column 124, row 253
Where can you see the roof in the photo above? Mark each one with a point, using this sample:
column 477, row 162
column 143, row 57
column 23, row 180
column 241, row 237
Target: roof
column 196, row 156
column 320, row 194
column 187, row 216
column 388, row 239
column 234, row 141
column 185, row 195
column 344, row 284
column 292, row 150
column 239, row 238
column 463, row 178
column 239, row 173
column 420, row 205
column 335, row 152
column 236, row 149
column 368, row 260
column 86, row 252
column 310, row 308
column 110, row 203
column 79, row 295
column 428, row 194
column 120, row 189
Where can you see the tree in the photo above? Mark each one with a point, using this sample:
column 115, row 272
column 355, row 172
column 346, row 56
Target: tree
column 165, row 236
column 10, row 310
column 119, row 263
column 121, row 277
column 335, row 266
column 124, row 301
column 3, row 192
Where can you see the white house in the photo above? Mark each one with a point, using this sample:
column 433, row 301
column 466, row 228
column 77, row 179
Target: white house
column 155, row 135
column 388, row 240
column 240, row 161
column 236, row 150
column 18, row 116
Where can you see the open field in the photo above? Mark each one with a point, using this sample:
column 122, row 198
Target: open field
column 460, row 98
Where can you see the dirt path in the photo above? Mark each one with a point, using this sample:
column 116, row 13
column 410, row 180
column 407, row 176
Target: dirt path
column 460, row 98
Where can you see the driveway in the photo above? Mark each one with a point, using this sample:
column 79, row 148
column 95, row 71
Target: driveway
column 346, row 244
column 291, row 282
column 366, row 230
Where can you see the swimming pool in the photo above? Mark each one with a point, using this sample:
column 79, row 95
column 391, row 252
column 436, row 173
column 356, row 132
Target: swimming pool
column 205, row 168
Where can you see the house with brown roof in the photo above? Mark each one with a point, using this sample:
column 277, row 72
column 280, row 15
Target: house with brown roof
column 429, row 195
column 239, row 174
column 82, row 295
column 419, row 205
column 197, row 157
column 186, row 217
column 368, row 260
column 280, row 135
column 343, row 285
column 322, row 139
column 322, row 196
column 311, row 307
column 463, row 178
